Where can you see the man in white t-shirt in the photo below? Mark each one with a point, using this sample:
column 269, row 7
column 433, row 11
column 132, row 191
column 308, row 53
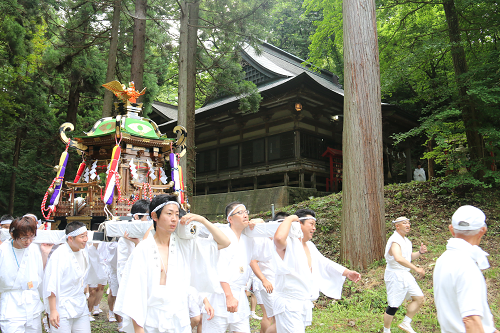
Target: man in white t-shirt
column 399, row 282
column 459, row 286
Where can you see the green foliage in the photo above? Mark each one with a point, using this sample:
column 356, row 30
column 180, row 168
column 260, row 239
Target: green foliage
column 326, row 49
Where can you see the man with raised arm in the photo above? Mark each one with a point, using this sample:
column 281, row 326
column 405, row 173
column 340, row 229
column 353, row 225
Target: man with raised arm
column 153, row 293
column 399, row 282
column 64, row 282
column 301, row 273
column 231, row 307
column 459, row 287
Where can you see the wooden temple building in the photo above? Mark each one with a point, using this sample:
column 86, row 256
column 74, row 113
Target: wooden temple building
column 295, row 138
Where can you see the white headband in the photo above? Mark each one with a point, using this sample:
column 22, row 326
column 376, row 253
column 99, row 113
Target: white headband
column 232, row 210
column 164, row 204
column 300, row 218
column 6, row 222
column 77, row 232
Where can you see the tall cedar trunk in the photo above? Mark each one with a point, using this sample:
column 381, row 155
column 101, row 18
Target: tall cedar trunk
column 15, row 163
column 469, row 116
column 139, row 44
column 430, row 161
column 107, row 110
column 363, row 225
column 73, row 101
column 187, row 85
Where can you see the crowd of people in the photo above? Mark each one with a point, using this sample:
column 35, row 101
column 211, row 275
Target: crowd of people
column 167, row 283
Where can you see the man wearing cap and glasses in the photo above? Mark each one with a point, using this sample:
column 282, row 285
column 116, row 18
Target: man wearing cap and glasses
column 399, row 282
column 459, row 286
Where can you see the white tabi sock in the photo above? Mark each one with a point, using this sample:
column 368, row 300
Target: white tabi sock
column 407, row 320
column 96, row 307
column 387, row 330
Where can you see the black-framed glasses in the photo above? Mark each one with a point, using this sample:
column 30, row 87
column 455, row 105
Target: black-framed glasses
column 241, row 212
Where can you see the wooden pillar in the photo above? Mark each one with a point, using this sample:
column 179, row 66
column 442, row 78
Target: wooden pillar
column 255, row 183
column 409, row 173
column 207, row 189
column 301, row 179
column 330, row 181
column 297, row 144
column 286, row 179
column 313, row 180
column 229, row 186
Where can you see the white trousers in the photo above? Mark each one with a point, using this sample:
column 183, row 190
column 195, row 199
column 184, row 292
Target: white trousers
column 21, row 326
column 72, row 325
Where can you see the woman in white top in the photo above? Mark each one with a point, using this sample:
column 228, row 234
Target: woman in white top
column 21, row 272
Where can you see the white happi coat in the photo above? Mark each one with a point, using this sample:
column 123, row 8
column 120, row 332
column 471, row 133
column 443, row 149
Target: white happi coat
column 97, row 271
column 234, row 268
column 165, row 307
column 297, row 285
column 20, row 286
column 65, row 278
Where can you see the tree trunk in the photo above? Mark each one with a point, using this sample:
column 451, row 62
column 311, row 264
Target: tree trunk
column 107, row 109
column 187, row 85
column 139, row 44
column 73, row 101
column 15, row 163
column 469, row 116
column 430, row 161
column 363, row 225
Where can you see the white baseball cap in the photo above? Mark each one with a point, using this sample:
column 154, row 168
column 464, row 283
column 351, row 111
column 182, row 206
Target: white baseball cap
column 468, row 218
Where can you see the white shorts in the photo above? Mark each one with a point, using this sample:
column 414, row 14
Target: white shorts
column 291, row 322
column 21, row 326
column 400, row 289
column 220, row 325
column 267, row 301
column 258, row 296
column 185, row 329
column 95, row 285
column 72, row 325
column 194, row 307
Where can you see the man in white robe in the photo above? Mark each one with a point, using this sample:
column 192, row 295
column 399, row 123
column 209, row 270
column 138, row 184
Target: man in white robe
column 153, row 293
column 263, row 286
column 108, row 254
column 301, row 273
column 460, row 290
column 97, row 278
column 231, row 307
column 399, row 282
column 21, row 275
column 419, row 174
column 139, row 212
column 64, row 283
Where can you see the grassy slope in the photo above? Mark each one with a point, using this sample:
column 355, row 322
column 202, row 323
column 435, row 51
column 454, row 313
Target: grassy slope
column 362, row 305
